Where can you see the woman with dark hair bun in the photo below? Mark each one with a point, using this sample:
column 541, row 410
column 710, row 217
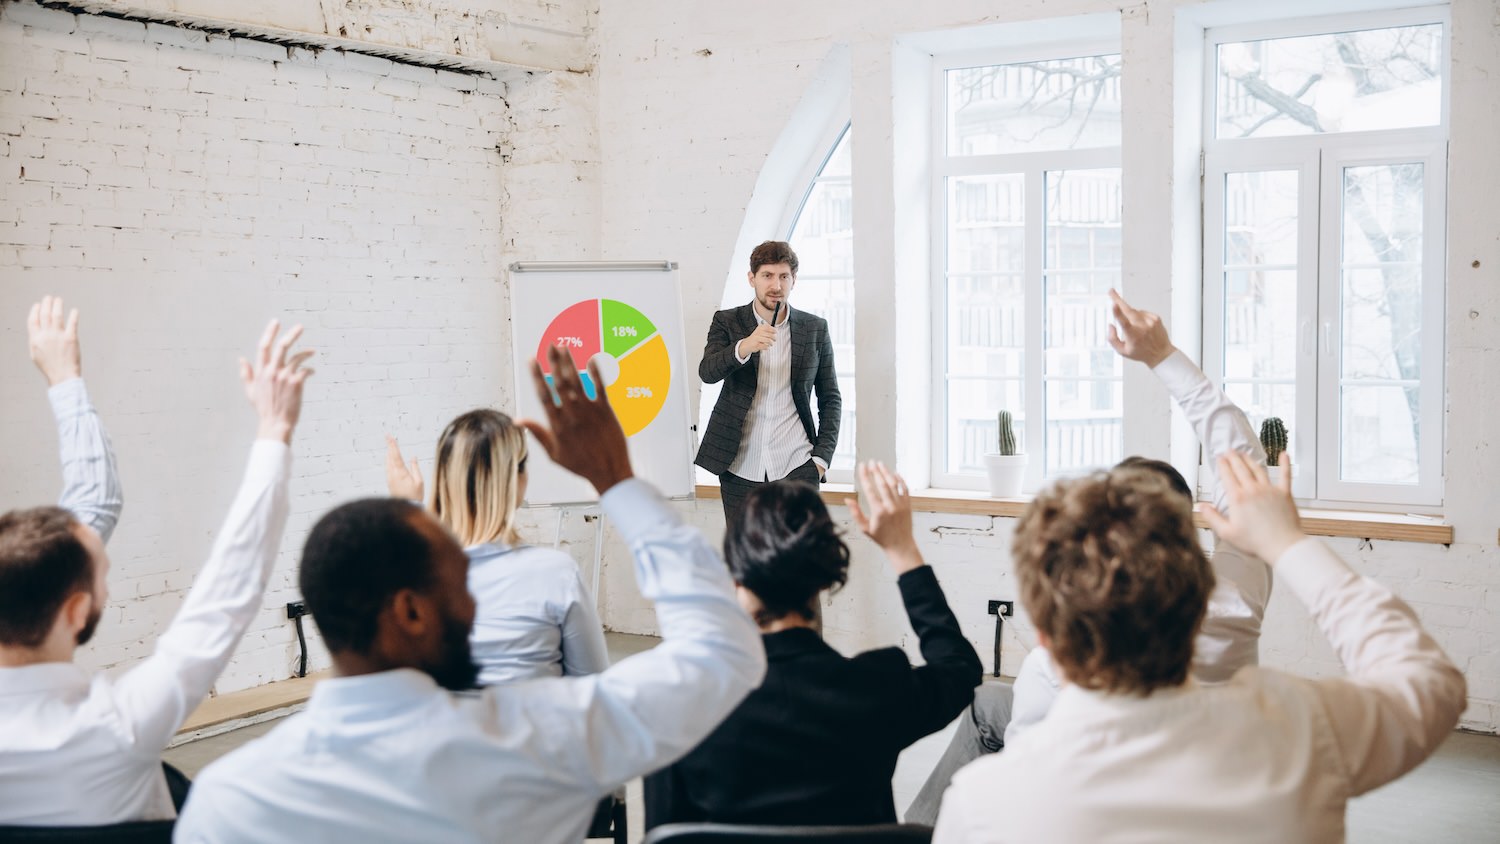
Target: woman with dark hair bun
column 817, row 743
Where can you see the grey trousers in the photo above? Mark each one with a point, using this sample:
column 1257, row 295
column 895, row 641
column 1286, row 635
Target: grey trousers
column 981, row 731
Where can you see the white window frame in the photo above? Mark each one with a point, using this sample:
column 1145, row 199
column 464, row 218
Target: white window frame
column 1319, row 160
column 838, row 130
column 1033, row 166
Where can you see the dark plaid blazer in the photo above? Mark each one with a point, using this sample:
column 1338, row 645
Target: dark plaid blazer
column 812, row 369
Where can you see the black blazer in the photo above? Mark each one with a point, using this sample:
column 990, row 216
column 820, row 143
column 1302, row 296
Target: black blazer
column 812, row 369
column 817, row 742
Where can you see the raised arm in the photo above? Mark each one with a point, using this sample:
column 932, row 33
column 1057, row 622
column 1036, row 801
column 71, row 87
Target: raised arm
column 1220, row 424
column 929, row 696
column 1403, row 695
column 91, row 481
column 647, row 710
column 157, row 695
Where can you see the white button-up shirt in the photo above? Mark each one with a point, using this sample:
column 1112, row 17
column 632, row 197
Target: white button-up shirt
column 773, row 442
column 391, row 757
column 534, row 618
column 1230, row 637
column 1266, row 757
column 81, row 749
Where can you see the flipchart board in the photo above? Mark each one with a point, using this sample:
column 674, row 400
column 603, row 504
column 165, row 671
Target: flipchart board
column 627, row 316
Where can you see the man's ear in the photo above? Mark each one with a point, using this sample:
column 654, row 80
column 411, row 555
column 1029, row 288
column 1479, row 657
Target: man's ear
column 411, row 613
column 74, row 615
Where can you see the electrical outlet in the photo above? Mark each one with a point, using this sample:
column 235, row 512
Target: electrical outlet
column 296, row 609
column 1004, row 609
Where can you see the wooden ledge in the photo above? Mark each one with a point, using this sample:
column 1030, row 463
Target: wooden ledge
column 251, row 702
column 1394, row 527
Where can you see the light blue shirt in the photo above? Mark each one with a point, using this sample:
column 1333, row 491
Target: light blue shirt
column 391, row 757
column 91, row 482
column 534, row 617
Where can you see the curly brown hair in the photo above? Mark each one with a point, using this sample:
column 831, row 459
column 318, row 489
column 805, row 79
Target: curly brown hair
column 1113, row 575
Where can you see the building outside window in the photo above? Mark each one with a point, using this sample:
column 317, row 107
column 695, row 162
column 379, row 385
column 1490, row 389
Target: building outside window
column 1026, row 245
column 1324, row 234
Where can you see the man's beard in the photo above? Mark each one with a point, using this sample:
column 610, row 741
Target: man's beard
column 87, row 632
column 456, row 671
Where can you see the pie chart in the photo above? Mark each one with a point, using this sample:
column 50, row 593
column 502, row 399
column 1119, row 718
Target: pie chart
column 630, row 353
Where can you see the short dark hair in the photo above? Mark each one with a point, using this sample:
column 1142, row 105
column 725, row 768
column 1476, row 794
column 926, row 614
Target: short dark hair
column 773, row 252
column 1112, row 572
column 785, row 548
column 1168, row 472
column 42, row 563
column 357, row 557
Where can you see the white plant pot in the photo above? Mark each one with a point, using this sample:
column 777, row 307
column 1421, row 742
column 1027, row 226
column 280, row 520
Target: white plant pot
column 1274, row 473
column 1006, row 471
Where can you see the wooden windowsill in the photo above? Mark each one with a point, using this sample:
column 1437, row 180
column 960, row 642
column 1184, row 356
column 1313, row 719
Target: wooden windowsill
column 251, row 702
column 1350, row 523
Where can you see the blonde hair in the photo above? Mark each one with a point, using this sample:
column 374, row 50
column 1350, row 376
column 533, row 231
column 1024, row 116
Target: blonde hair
column 476, row 488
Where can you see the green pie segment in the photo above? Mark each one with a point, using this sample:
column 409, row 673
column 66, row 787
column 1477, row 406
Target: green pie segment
column 624, row 327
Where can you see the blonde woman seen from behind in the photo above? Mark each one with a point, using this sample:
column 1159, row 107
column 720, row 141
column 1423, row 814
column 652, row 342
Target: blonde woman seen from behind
column 534, row 617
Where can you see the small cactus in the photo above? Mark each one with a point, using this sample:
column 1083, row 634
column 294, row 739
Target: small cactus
column 1273, row 438
column 1007, row 434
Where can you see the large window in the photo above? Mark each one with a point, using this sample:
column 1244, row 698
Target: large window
column 822, row 234
column 1324, row 175
column 1026, row 248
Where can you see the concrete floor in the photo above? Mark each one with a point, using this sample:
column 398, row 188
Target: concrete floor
column 1453, row 797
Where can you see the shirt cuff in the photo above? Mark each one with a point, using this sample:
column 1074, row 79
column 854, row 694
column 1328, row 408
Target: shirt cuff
column 1310, row 569
column 269, row 460
column 745, row 359
column 69, row 399
column 635, row 508
column 921, row 577
column 1178, row 373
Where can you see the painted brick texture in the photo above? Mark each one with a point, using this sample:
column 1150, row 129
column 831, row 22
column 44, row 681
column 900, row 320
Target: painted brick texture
column 181, row 190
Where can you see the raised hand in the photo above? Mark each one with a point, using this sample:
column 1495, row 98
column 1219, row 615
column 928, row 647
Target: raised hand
column 274, row 384
column 1262, row 516
column 402, row 478
column 582, row 435
column 889, row 519
column 759, row 340
column 53, row 341
column 1140, row 334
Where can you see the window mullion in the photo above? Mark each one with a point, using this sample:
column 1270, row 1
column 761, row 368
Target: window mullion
column 1036, row 321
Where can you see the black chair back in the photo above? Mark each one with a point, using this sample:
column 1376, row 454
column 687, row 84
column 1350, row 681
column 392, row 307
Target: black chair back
column 134, row 832
column 720, row 833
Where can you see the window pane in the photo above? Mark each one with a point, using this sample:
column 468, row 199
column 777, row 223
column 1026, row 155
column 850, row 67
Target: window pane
column 973, row 406
column 1084, row 425
column 986, row 305
column 1260, row 218
column 1337, row 82
column 823, row 238
column 1084, row 398
column 1380, row 429
column 1380, row 304
column 1262, row 400
column 1260, row 324
column 986, row 329
column 1033, row 106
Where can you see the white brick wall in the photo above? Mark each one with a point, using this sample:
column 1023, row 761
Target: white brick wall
column 181, row 190
column 691, row 105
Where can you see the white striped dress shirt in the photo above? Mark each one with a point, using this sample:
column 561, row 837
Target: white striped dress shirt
column 91, row 482
column 773, row 441
column 85, row 748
